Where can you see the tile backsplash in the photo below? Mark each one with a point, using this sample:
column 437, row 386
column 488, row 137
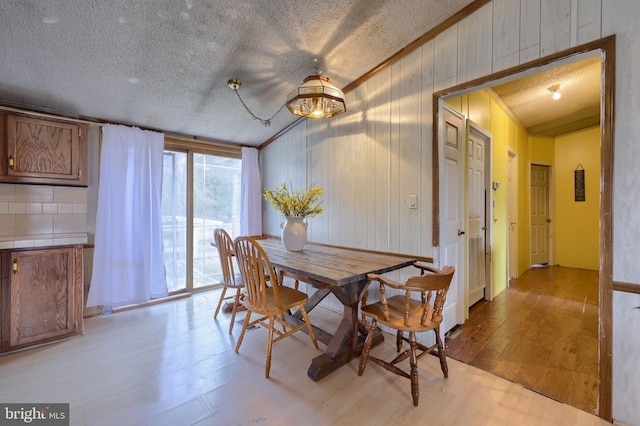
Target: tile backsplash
column 42, row 215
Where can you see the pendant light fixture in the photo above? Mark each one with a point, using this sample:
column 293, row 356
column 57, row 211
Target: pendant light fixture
column 316, row 98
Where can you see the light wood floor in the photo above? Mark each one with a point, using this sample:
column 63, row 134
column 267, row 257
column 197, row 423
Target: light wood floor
column 542, row 332
column 172, row 364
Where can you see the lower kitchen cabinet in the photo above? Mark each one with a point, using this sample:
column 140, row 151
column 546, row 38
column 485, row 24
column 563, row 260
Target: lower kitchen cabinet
column 41, row 299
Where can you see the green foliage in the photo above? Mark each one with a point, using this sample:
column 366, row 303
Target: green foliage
column 299, row 203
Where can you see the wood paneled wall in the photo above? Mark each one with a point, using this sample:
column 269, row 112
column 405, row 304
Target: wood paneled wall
column 372, row 158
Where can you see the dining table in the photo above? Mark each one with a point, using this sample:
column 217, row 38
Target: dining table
column 340, row 271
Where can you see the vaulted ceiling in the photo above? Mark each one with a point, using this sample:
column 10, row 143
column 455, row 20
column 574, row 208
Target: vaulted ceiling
column 164, row 64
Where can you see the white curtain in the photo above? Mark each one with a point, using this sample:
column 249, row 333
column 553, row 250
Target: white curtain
column 251, row 194
column 128, row 264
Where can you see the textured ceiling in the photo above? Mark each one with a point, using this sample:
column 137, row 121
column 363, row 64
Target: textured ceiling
column 529, row 98
column 164, row 64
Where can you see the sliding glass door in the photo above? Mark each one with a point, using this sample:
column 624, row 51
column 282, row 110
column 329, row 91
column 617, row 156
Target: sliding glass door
column 216, row 204
column 201, row 192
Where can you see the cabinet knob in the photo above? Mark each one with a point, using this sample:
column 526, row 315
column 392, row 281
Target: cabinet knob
column 11, row 161
column 15, row 266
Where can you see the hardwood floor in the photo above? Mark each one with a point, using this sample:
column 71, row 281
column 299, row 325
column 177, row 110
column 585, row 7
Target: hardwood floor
column 173, row 364
column 542, row 332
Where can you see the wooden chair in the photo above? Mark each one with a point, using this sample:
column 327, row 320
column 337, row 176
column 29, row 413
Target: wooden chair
column 402, row 313
column 267, row 301
column 230, row 280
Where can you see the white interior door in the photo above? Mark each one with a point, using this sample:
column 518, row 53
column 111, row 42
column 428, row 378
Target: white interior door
column 540, row 219
column 452, row 210
column 477, row 144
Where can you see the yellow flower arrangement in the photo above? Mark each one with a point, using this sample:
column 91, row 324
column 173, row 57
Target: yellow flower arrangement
column 300, row 203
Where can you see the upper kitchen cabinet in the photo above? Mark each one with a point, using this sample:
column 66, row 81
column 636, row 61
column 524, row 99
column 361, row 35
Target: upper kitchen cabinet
column 42, row 150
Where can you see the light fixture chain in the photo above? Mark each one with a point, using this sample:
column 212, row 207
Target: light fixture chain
column 264, row 122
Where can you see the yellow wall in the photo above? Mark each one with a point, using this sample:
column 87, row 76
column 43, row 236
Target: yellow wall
column 541, row 150
column 500, row 130
column 576, row 228
column 479, row 109
column 524, row 199
column 455, row 103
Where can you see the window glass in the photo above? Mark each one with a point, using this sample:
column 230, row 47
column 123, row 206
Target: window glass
column 174, row 219
column 216, row 204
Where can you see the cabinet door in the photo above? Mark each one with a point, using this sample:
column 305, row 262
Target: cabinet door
column 44, row 149
column 42, row 296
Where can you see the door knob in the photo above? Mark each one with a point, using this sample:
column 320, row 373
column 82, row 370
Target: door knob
column 460, row 232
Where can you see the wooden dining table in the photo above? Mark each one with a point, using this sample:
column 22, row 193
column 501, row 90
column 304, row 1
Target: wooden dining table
column 342, row 272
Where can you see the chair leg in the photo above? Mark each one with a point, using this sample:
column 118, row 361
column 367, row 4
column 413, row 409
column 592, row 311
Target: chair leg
column 441, row 353
column 413, row 362
column 306, row 320
column 224, row 291
column 363, row 302
column 267, row 367
column 282, row 324
column 244, row 328
column 236, row 304
column 367, row 347
column 399, row 340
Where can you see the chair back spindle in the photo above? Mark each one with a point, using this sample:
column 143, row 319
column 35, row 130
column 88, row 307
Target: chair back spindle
column 257, row 272
column 224, row 243
column 230, row 281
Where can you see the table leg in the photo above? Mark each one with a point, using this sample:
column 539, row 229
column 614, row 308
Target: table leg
column 348, row 339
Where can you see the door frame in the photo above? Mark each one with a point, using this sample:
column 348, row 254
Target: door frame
column 513, row 264
column 605, row 47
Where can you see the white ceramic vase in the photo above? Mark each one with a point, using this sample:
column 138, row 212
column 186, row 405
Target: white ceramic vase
column 294, row 233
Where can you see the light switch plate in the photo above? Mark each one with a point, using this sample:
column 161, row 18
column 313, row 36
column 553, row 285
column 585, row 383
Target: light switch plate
column 413, row 201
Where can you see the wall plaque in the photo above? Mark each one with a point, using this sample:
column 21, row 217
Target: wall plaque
column 578, row 178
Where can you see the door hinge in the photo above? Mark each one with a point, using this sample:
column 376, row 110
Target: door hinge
column 79, row 174
column 75, row 325
column 80, row 132
column 15, row 266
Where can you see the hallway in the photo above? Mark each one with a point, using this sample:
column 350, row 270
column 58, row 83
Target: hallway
column 542, row 332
